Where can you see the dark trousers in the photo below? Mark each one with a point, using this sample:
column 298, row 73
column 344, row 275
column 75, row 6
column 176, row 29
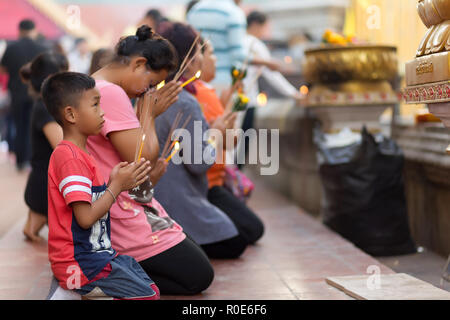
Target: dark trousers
column 247, row 124
column 181, row 270
column 21, row 112
column 226, row 249
column 10, row 136
column 250, row 227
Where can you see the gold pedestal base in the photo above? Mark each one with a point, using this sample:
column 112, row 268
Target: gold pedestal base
column 352, row 93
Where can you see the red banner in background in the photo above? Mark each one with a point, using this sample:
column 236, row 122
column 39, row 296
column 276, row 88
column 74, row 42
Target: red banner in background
column 12, row 12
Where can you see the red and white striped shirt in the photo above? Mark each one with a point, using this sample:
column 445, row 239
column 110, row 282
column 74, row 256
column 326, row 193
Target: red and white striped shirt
column 76, row 255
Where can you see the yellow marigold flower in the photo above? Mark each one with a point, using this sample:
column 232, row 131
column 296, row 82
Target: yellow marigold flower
column 244, row 98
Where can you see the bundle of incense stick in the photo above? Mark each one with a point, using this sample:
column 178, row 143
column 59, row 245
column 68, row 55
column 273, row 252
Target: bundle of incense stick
column 172, row 128
column 176, row 147
column 143, row 103
column 139, row 108
column 186, row 57
column 195, row 77
column 185, row 64
column 167, row 149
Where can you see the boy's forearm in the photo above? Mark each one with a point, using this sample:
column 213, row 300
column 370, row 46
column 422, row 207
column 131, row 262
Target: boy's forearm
column 104, row 203
column 87, row 215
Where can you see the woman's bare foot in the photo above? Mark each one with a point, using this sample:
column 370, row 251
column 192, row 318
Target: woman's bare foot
column 34, row 224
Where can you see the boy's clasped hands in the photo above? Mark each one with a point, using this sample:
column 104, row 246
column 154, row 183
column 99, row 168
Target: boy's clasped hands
column 126, row 176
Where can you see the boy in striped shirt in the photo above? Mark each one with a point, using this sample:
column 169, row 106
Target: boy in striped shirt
column 79, row 244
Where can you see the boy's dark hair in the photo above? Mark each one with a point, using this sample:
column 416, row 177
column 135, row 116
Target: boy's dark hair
column 26, row 25
column 159, row 53
column 181, row 36
column 41, row 67
column 256, row 17
column 64, row 89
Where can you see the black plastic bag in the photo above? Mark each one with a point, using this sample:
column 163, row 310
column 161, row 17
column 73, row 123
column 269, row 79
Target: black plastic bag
column 364, row 194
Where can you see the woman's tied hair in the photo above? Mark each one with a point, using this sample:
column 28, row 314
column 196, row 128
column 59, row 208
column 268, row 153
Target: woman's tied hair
column 159, row 52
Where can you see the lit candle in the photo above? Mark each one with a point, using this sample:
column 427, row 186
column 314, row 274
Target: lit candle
column 176, row 147
column 197, row 75
column 141, row 147
column 172, row 144
column 212, row 142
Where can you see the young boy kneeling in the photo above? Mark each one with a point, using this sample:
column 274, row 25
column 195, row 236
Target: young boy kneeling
column 79, row 244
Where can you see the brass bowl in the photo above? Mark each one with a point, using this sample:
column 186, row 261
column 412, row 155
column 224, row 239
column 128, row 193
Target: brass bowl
column 333, row 64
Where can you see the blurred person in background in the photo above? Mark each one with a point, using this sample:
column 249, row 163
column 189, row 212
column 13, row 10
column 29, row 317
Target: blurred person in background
column 101, row 58
column 224, row 24
column 298, row 44
column 80, row 57
column 153, row 18
column 5, row 117
column 17, row 54
column 190, row 5
column 45, row 135
column 257, row 24
column 5, row 102
column 3, row 45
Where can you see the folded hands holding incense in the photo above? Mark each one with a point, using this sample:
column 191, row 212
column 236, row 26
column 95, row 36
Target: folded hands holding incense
column 149, row 106
column 223, row 123
column 154, row 102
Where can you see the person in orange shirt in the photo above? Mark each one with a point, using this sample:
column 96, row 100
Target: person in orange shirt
column 212, row 106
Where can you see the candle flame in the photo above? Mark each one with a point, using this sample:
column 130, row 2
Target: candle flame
column 304, row 90
column 288, row 59
column 161, row 84
column 261, row 99
column 176, row 146
column 197, row 75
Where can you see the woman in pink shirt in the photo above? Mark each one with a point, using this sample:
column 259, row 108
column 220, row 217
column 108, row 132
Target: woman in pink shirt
column 144, row 231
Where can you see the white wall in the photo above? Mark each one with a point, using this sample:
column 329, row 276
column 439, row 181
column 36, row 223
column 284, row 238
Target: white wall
column 314, row 16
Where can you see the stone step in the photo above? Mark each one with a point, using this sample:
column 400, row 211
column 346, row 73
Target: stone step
column 292, row 260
